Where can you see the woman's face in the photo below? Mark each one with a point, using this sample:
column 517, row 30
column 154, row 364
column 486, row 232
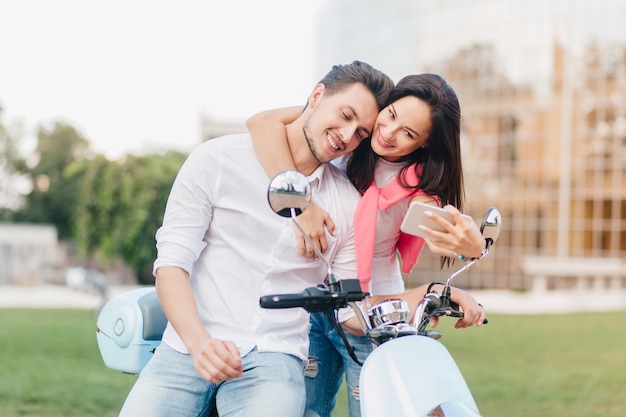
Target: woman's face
column 401, row 128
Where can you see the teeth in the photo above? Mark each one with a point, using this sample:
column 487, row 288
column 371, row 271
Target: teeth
column 331, row 142
column 384, row 142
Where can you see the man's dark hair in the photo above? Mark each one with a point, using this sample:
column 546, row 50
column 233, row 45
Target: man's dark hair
column 341, row 77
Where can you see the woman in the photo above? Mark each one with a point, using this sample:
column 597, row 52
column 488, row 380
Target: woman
column 413, row 155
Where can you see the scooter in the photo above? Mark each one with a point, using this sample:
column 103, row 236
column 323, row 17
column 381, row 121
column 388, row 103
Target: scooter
column 409, row 373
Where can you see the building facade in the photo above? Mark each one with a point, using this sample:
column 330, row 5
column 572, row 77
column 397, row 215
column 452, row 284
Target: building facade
column 29, row 253
column 542, row 86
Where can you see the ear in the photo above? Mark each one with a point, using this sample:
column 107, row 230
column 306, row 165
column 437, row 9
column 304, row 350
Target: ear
column 316, row 95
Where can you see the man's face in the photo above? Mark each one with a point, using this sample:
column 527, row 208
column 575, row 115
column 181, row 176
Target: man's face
column 337, row 123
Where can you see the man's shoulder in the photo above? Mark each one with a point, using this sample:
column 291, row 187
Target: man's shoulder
column 221, row 151
column 236, row 139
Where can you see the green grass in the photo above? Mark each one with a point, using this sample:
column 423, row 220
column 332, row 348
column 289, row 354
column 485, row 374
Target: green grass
column 516, row 366
column 553, row 365
column 50, row 366
column 541, row 366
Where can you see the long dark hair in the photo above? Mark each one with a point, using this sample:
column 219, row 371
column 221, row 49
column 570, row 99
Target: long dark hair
column 440, row 160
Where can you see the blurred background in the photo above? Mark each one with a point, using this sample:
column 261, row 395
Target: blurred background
column 101, row 102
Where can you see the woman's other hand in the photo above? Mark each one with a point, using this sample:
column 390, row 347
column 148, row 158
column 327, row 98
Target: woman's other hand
column 312, row 221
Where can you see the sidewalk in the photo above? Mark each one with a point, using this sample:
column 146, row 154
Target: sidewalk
column 555, row 301
column 505, row 302
column 53, row 296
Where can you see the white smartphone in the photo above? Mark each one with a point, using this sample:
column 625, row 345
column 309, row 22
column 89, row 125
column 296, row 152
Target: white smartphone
column 415, row 216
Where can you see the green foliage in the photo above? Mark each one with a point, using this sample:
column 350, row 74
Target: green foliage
column 54, row 193
column 12, row 166
column 121, row 206
column 95, row 205
column 111, row 208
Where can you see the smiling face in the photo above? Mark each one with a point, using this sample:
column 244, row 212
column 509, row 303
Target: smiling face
column 337, row 123
column 401, row 128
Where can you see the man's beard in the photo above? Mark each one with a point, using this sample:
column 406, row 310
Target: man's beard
column 311, row 144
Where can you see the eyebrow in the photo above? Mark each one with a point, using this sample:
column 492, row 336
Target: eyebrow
column 356, row 115
column 406, row 127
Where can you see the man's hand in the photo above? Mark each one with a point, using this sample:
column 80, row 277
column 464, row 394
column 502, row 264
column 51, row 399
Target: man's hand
column 312, row 221
column 217, row 360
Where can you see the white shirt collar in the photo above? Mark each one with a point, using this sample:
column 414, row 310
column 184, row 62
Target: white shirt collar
column 315, row 179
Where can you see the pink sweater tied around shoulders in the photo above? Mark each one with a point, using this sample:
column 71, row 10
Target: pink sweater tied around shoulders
column 374, row 199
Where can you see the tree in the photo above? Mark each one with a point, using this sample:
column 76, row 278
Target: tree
column 12, row 171
column 121, row 206
column 95, row 205
column 54, row 192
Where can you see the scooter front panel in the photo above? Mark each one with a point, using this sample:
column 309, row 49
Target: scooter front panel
column 411, row 376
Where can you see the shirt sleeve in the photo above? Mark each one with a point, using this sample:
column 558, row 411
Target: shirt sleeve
column 188, row 212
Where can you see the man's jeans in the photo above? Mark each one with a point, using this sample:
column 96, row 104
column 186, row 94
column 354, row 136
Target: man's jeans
column 169, row 386
column 328, row 359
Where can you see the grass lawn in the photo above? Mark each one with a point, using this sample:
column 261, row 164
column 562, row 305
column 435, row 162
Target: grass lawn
column 530, row 366
column 541, row 366
column 50, row 366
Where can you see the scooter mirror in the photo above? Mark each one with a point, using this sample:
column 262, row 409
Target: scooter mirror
column 289, row 193
column 491, row 225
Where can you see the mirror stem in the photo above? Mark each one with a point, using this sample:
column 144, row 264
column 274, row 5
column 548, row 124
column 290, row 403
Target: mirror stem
column 330, row 278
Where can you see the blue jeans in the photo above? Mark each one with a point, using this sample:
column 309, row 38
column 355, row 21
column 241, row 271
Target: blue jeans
column 328, row 361
column 169, row 386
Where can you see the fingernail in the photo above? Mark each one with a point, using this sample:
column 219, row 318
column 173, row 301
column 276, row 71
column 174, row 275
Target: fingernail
column 428, row 213
column 421, row 227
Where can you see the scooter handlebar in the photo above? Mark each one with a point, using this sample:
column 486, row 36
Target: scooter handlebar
column 447, row 307
column 313, row 300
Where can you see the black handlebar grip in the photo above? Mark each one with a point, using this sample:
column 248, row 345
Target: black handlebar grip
column 312, row 299
column 485, row 320
column 282, row 301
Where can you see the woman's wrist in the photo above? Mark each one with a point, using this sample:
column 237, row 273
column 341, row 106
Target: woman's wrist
column 461, row 257
column 484, row 250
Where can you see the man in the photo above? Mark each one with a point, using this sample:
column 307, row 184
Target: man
column 221, row 247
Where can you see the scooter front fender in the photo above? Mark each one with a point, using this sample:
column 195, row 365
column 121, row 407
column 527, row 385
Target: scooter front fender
column 412, row 376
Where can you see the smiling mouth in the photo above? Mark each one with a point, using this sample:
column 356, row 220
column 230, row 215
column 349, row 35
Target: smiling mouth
column 333, row 142
column 383, row 142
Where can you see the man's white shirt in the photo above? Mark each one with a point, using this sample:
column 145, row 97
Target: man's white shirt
column 218, row 226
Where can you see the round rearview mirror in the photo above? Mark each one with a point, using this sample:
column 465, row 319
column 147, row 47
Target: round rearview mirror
column 491, row 225
column 289, row 193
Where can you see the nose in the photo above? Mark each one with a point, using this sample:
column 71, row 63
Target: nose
column 349, row 134
column 388, row 132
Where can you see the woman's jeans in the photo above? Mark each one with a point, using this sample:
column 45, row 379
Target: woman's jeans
column 328, row 360
column 169, row 386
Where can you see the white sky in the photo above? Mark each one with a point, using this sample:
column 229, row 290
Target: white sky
column 137, row 75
